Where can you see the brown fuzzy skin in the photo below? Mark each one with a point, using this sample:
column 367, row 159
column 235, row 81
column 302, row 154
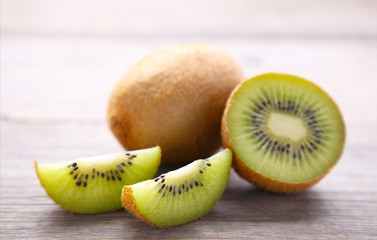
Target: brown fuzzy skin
column 253, row 176
column 174, row 98
column 128, row 202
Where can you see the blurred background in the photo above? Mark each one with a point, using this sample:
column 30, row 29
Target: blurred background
column 221, row 18
column 80, row 48
column 60, row 59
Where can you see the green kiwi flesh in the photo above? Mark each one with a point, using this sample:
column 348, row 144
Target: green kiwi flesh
column 284, row 127
column 180, row 196
column 94, row 184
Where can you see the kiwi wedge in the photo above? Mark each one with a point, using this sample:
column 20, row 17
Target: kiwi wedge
column 94, row 184
column 286, row 133
column 180, row 196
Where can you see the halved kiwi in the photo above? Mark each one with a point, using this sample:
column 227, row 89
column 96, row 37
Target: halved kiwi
column 94, row 184
column 285, row 131
column 180, row 196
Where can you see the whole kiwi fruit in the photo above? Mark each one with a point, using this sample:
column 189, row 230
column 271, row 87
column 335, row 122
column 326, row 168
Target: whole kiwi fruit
column 174, row 98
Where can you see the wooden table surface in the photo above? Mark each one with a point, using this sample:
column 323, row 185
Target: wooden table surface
column 54, row 96
column 54, row 93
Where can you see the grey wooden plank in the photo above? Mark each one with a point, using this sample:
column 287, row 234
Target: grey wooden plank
column 340, row 206
column 54, row 92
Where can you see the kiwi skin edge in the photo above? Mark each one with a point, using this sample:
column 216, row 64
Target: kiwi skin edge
column 255, row 177
column 71, row 212
column 129, row 204
column 36, row 170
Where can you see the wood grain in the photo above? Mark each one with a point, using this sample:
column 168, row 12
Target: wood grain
column 54, row 93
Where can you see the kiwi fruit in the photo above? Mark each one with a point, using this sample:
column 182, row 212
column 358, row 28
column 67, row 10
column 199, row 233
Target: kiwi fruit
column 94, row 184
column 286, row 133
column 174, row 98
column 180, row 196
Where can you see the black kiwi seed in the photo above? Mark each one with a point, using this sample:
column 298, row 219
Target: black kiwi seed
column 208, row 164
column 191, row 186
column 103, row 175
column 121, row 170
column 123, row 164
column 179, row 191
column 71, row 172
column 313, row 146
column 74, row 164
column 196, row 183
column 163, row 180
column 75, row 176
column 162, row 187
column 170, row 188
column 173, row 193
column 78, row 183
column 112, row 177
column 86, row 176
column 201, row 184
column 156, row 179
column 128, row 154
column 130, row 163
column 84, row 184
column 119, row 178
column 200, row 171
column 107, row 178
column 75, row 168
column 69, row 165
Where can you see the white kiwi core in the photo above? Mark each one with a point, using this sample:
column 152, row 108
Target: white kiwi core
column 287, row 126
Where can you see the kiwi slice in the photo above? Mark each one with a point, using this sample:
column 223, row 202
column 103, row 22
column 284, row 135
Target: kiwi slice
column 94, row 184
column 285, row 131
column 180, row 196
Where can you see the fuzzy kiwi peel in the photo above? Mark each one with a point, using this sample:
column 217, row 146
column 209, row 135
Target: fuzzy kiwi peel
column 174, row 98
column 285, row 132
column 180, row 196
column 94, row 184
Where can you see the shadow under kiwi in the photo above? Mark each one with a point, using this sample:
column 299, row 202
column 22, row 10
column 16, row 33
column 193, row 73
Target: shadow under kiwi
column 241, row 203
column 244, row 202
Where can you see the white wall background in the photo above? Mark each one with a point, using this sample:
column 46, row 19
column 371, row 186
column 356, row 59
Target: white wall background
column 301, row 18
